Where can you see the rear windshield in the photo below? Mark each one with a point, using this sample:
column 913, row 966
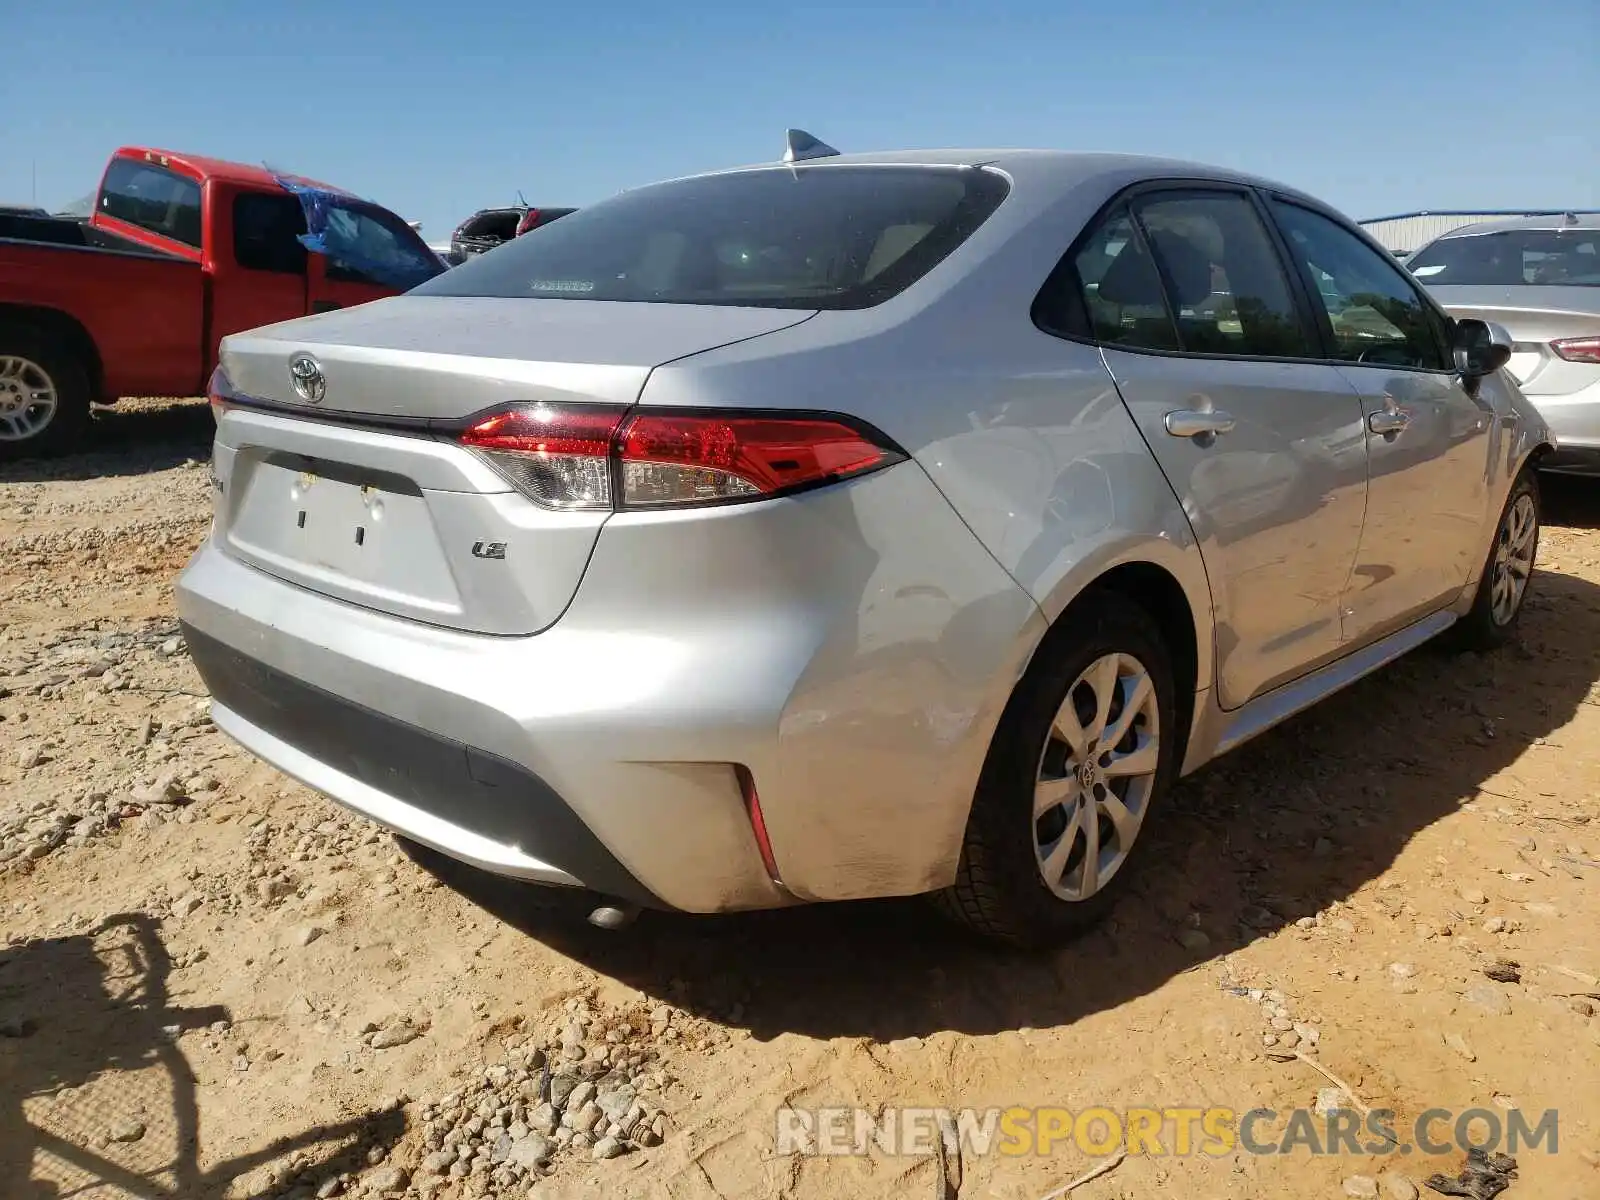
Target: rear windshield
column 803, row 237
column 1565, row 257
column 152, row 198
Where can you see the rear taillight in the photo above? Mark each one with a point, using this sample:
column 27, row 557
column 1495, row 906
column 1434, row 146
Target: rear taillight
column 217, row 392
column 570, row 457
column 1578, row 349
column 530, row 220
column 557, row 457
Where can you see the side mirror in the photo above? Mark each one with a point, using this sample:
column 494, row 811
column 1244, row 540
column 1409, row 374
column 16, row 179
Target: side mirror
column 1481, row 348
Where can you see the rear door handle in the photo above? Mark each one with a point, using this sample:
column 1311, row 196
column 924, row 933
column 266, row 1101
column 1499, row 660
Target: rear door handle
column 1390, row 422
column 1196, row 423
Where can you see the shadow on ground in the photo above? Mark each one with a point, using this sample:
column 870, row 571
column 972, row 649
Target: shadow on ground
column 1571, row 501
column 1281, row 829
column 96, row 1095
column 135, row 439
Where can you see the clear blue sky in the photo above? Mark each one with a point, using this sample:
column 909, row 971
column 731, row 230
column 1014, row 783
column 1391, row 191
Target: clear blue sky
column 435, row 109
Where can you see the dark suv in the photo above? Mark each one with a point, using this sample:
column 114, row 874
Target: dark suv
column 490, row 227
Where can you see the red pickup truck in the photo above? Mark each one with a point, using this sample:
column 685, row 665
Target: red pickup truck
column 179, row 252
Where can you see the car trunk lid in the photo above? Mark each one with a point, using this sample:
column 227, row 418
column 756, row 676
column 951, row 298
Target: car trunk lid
column 359, row 490
column 440, row 358
column 1534, row 316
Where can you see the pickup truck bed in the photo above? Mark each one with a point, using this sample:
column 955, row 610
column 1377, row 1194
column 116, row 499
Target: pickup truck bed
column 144, row 313
column 66, row 231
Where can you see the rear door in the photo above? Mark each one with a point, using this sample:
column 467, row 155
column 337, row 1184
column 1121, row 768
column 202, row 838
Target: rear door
column 1213, row 353
column 1428, row 440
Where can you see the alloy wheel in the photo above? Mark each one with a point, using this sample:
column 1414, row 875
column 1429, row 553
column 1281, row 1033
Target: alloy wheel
column 1096, row 776
column 27, row 398
column 1515, row 544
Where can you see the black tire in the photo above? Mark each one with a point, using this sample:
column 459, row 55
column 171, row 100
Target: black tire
column 999, row 891
column 67, row 375
column 1481, row 630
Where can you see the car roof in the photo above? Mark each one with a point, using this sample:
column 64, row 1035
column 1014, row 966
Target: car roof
column 1547, row 223
column 1060, row 167
column 201, row 166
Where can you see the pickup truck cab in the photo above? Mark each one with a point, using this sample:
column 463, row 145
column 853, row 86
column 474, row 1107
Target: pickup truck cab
column 179, row 252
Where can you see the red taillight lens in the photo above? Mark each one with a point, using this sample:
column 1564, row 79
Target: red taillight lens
column 1578, row 349
column 568, row 457
column 670, row 459
column 530, row 219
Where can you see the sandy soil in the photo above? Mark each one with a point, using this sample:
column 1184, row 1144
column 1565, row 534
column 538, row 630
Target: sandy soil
column 200, row 954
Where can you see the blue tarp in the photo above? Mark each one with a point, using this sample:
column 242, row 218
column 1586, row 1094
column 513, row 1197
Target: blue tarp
column 359, row 236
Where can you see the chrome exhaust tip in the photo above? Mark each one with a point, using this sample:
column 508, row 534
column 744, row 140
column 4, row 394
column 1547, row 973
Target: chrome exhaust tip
column 609, row 916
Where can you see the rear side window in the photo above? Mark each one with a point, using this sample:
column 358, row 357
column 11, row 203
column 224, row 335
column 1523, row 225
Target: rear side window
column 802, row 237
column 266, row 233
column 1121, row 288
column 152, row 198
column 1376, row 313
column 1224, row 281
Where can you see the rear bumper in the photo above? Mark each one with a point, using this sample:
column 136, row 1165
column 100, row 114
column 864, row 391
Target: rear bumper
column 852, row 649
column 458, row 799
column 1574, row 418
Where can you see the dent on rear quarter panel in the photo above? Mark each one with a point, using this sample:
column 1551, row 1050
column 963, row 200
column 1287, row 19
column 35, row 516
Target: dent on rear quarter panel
column 883, row 735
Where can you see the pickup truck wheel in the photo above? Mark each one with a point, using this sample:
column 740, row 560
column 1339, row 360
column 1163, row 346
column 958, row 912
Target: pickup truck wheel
column 44, row 395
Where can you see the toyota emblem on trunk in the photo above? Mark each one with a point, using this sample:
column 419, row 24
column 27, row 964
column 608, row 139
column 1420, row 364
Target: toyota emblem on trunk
column 309, row 382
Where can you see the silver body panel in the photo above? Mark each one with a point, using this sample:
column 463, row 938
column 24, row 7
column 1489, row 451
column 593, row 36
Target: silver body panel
column 824, row 642
column 855, row 646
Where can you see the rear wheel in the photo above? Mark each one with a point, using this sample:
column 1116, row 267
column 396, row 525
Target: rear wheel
column 1492, row 620
column 1084, row 753
column 44, row 395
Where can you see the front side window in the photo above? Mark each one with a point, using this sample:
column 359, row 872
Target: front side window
column 1224, row 280
column 802, row 237
column 368, row 245
column 153, row 198
column 1376, row 312
column 1558, row 257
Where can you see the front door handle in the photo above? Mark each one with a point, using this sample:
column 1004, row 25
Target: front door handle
column 1198, row 423
column 1390, row 422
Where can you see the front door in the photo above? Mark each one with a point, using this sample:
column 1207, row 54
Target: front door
column 1266, row 454
column 1428, row 440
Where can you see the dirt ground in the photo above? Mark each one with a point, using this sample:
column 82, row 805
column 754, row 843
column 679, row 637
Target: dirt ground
column 200, row 955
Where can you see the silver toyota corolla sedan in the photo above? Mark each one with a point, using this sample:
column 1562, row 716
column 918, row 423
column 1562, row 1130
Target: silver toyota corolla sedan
column 1539, row 278
column 851, row 526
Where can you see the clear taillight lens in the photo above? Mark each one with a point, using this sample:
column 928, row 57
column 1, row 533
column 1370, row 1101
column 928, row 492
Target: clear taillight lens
column 557, row 457
column 217, row 393
column 1578, row 349
column 602, row 457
